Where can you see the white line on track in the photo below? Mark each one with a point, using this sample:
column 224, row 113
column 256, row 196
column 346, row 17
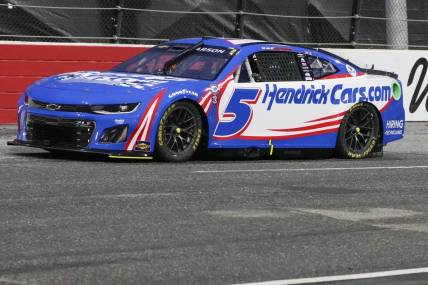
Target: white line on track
column 88, row 197
column 310, row 169
column 13, row 282
column 342, row 277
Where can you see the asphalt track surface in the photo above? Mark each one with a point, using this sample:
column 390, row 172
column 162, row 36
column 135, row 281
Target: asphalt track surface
column 80, row 219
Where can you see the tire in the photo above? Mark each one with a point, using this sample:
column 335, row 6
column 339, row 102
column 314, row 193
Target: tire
column 179, row 134
column 358, row 132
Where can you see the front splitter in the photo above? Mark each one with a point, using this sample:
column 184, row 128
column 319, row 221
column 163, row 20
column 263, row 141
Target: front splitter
column 110, row 153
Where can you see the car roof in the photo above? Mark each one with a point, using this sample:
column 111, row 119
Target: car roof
column 222, row 42
column 240, row 43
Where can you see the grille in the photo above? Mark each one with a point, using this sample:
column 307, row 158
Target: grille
column 59, row 132
column 61, row 107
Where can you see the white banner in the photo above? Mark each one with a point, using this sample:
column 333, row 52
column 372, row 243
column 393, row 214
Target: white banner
column 411, row 67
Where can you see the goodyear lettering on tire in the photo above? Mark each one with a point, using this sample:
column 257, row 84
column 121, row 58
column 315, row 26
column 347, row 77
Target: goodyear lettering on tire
column 162, row 124
column 197, row 139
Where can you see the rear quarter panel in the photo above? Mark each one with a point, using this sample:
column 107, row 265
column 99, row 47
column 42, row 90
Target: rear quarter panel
column 304, row 114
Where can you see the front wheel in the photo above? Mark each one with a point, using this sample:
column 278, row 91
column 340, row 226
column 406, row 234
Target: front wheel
column 179, row 133
column 359, row 132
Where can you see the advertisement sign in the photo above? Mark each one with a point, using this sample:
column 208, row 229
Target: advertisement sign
column 411, row 67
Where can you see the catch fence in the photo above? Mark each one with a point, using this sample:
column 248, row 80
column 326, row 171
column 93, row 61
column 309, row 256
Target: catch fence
column 327, row 23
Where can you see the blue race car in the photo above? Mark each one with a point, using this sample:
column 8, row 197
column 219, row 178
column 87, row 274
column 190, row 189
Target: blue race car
column 184, row 95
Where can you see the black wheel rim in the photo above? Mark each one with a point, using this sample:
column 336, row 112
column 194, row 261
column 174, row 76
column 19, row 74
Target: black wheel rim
column 179, row 130
column 359, row 129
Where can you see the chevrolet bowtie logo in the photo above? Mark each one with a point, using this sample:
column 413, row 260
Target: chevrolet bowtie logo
column 53, row 107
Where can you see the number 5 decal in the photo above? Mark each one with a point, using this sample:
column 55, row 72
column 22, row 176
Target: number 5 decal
column 238, row 112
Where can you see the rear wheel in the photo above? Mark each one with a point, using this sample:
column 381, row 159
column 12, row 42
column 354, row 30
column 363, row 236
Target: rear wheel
column 359, row 132
column 179, row 133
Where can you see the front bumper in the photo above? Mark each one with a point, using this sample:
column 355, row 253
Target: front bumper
column 76, row 132
column 109, row 153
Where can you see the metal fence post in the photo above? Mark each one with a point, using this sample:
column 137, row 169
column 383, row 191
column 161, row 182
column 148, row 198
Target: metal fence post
column 354, row 25
column 397, row 34
column 239, row 19
column 118, row 22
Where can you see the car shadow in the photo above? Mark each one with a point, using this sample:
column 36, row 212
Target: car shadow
column 256, row 154
column 205, row 156
column 71, row 156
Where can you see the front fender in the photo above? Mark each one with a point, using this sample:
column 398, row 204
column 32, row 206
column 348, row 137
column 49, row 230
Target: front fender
column 161, row 110
column 145, row 129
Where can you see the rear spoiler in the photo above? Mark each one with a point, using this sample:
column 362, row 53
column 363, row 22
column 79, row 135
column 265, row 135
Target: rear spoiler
column 366, row 70
column 379, row 72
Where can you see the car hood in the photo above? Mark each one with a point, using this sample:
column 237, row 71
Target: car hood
column 96, row 87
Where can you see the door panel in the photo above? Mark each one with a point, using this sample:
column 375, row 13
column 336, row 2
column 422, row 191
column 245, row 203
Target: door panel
column 282, row 111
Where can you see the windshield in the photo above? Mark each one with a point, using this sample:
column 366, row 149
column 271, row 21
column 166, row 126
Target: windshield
column 205, row 63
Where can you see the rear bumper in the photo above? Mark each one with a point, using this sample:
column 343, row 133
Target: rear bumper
column 109, row 153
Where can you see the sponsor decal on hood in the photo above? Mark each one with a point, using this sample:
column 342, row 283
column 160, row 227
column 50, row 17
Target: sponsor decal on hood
column 138, row 81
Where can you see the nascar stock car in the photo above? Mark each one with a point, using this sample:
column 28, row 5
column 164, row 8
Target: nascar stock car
column 183, row 95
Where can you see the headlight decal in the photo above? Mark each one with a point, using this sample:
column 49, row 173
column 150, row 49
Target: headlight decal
column 114, row 109
column 95, row 109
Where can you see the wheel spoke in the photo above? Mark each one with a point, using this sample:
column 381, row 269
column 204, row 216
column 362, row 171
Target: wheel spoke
column 366, row 123
column 189, row 127
column 175, row 143
column 169, row 142
column 183, row 141
column 187, row 134
column 353, row 143
column 181, row 115
column 349, row 136
column 177, row 115
column 187, row 120
column 357, row 142
column 365, row 135
column 363, row 139
column 349, row 132
column 179, row 142
column 367, row 128
column 363, row 118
